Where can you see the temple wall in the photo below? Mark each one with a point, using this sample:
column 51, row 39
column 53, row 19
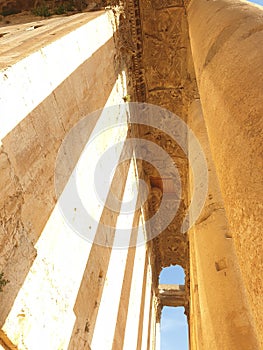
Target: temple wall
column 75, row 291
column 46, row 300
column 43, row 96
column 226, row 39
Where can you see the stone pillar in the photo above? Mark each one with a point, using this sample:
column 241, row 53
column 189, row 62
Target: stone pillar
column 220, row 317
column 158, row 336
column 155, row 317
column 227, row 40
column 146, row 310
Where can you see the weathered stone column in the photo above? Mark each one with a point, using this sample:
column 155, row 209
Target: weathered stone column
column 227, row 40
column 158, row 336
column 220, row 317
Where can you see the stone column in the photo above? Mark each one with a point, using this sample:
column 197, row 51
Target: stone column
column 220, row 317
column 227, row 46
column 158, row 336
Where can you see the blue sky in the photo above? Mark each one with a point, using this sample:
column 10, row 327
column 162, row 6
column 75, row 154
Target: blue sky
column 260, row 2
column 174, row 330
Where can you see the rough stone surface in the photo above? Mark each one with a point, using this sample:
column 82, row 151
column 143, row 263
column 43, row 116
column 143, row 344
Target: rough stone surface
column 28, row 156
column 228, row 65
column 217, row 279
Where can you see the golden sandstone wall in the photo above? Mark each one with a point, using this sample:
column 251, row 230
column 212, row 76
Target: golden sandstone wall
column 67, row 292
column 48, row 102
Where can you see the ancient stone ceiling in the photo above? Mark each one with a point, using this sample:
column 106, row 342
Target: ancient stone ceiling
column 164, row 34
column 163, row 75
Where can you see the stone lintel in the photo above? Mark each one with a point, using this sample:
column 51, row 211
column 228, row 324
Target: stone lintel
column 172, row 294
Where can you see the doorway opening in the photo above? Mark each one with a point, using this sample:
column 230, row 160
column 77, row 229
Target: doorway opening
column 174, row 326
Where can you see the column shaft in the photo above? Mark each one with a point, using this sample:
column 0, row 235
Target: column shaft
column 227, row 40
column 219, row 307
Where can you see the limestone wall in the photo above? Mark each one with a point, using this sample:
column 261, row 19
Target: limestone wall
column 76, row 294
column 39, row 105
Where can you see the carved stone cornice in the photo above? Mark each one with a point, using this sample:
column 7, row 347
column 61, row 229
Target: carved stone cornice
column 154, row 43
column 129, row 43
